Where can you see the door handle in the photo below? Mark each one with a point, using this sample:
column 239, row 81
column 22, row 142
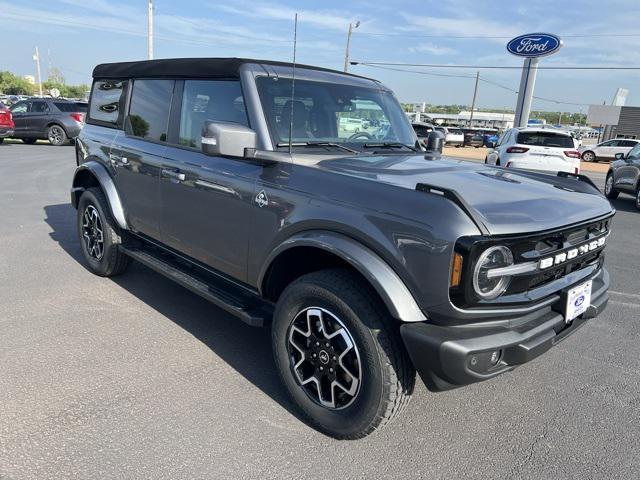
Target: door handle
column 173, row 174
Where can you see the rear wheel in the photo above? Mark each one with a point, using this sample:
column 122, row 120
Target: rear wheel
column 610, row 191
column 589, row 156
column 338, row 354
column 29, row 140
column 99, row 234
column 56, row 135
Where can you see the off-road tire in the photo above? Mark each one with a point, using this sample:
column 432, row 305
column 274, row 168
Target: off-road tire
column 113, row 260
column 609, row 190
column 387, row 375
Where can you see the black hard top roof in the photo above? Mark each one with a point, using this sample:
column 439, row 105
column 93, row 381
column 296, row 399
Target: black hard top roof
column 188, row 68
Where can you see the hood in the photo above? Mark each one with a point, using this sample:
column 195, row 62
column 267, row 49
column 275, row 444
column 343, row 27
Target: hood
column 507, row 201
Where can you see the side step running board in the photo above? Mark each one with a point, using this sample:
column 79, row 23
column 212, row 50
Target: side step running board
column 245, row 305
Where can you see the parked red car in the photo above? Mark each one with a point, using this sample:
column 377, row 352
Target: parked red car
column 6, row 122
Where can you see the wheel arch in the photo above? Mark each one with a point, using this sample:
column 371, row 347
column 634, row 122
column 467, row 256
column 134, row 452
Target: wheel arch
column 58, row 124
column 94, row 174
column 314, row 250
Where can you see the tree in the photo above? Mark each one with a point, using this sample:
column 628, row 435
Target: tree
column 11, row 84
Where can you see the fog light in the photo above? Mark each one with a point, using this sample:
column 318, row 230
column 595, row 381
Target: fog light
column 485, row 361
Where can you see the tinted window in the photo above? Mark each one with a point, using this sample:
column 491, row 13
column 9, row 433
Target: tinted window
column 422, row 130
column 209, row 100
column 107, row 99
column 628, row 143
column 149, row 110
column 71, row 106
column 39, row 107
column 545, row 139
column 634, row 152
column 20, row 107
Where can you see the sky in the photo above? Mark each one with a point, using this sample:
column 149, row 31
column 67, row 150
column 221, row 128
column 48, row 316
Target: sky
column 75, row 35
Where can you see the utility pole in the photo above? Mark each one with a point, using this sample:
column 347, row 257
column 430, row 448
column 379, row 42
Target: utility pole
column 473, row 102
column 346, row 53
column 150, row 30
column 560, row 119
column 36, row 57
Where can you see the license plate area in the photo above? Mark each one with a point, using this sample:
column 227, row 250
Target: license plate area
column 577, row 301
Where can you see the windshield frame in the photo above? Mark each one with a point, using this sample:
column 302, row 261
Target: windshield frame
column 390, row 108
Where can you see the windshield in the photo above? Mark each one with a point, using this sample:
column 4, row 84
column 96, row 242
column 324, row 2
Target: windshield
column 545, row 139
column 343, row 115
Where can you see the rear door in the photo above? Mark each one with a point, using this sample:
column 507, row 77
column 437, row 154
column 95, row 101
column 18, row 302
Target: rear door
column 20, row 114
column 39, row 116
column 137, row 153
column 206, row 200
column 626, row 176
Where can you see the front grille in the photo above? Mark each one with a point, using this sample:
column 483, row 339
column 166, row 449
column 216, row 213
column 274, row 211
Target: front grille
column 536, row 248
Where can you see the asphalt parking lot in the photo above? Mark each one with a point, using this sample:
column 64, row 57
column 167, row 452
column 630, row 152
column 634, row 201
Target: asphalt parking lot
column 137, row 377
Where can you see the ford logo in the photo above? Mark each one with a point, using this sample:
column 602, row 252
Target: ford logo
column 534, row 45
column 579, row 301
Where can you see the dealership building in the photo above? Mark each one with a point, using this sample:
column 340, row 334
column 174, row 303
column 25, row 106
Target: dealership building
column 617, row 121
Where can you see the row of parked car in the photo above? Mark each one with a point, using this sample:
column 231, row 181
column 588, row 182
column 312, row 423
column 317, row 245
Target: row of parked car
column 54, row 119
column 458, row 137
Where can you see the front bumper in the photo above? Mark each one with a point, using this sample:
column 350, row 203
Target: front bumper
column 448, row 357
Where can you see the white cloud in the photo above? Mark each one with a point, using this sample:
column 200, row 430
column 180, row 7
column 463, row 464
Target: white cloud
column 433, row 49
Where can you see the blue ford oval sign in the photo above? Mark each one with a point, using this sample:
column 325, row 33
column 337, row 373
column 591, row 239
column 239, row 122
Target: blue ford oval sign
column 534, row 45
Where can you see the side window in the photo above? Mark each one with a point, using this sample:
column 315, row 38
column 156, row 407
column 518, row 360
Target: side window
column 607, row 144
column 204, row 100
column 39, row 107
column 107, row 100
column 149, row 110
column 628, row 143
column 20, row 107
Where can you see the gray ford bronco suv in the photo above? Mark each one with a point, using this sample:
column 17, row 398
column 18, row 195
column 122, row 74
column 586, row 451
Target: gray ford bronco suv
column 369, row 257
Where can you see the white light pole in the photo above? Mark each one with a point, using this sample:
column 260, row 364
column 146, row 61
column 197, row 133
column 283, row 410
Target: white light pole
column 346, row 53
column 150, row 30
column 36, row 57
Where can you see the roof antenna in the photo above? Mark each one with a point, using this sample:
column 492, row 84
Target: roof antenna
column 293, row 79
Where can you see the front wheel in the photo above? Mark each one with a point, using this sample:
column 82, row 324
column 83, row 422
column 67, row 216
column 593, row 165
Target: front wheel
column 56, row 135
column 609, row 190
column 99, row 235
column 339, row 355
column 638, row 197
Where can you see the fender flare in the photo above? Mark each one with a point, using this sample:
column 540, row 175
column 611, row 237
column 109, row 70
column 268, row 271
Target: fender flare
column 102, row 176
column 392, row 290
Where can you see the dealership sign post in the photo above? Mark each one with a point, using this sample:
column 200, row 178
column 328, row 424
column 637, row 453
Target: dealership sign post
column 530, row 46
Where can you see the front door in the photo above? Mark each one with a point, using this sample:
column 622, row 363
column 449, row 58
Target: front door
column 627, row 175
column 20, row 114
column 206, row 200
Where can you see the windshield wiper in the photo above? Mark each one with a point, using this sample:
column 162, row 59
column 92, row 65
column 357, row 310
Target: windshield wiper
column 388, row 145
column 317, row 144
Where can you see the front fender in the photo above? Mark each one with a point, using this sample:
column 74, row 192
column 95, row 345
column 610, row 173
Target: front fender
column 379, row 274
column 101, row 175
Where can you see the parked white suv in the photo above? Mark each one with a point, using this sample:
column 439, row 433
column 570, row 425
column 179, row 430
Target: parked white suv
column 540, row 149
column 607, row 150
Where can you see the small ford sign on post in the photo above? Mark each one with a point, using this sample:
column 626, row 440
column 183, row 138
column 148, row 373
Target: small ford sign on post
column 530, row 46
column 534, row 45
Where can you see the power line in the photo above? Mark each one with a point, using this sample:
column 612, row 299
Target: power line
column 494, row 37
column 490, row 82
column 499, row 67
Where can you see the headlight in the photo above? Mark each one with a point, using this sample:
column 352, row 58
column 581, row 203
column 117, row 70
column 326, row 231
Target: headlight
column 489, row 287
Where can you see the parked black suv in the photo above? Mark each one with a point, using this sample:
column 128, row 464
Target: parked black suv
column 56, row 120
column 624, row 175
column 369, row 257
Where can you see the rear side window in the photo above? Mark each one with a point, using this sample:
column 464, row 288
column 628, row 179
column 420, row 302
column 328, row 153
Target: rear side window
column 107, row 101
column 204, row 100
column 39, row 107
column 545, row 139
column 149, row 109
column 71, row 106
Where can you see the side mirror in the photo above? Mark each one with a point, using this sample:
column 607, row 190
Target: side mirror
column 619, row 156
column 227, row 139
column 435, row 142
column 491, row 144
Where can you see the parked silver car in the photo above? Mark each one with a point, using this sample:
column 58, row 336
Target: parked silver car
column 607, row 150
